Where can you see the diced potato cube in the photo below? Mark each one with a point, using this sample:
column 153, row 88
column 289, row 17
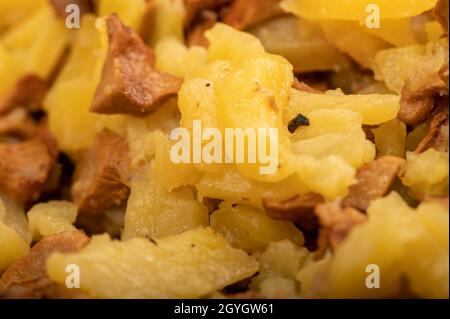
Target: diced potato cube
column 189, row 265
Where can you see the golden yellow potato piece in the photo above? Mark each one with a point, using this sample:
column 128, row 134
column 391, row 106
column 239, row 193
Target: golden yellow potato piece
column 327, row 121
column 356, row 10
column 129, row 11
column 400, row 242
column 231, row 186
column 301, row 42
column 427, row 173
column 354, row 148
column 12, row 11
column 390, row 138
column 167, row 21
column 155, row 212
column 250, row 229
column 279, row 264
column 398, row 32
column 12, row 246
column 173, row 57
column 393, row 66
column 38, row 52
column 50, row 218
column 189, row 265
column 374, row 108
column 348, row 36
column 329, row 176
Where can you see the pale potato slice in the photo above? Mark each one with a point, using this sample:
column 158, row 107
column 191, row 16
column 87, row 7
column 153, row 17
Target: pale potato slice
column 251, row 229
column 155, row 212
column 188, row 265
column 374, row 108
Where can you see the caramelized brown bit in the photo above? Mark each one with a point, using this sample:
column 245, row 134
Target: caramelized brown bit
column 374, row 181
column 129, row 84
column 33, row 266
column 338, row 222
column 416, row 104
column 194, row 7
column 245, row 13
column 28, row 92
column 60, row 6
column 110, row 222
column 299, row 209
column 440, row 12
column 196, row 34
column 437, row 136
column 302, row 86
column 26, row 166
column 101, row 179
column 16, row 126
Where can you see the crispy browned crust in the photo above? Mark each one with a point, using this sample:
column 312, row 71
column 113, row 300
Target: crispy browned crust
column 299, row 209
column 28, row 156
column 243, row 14
column 196, row 34
column 101, row 179
column 416, row 104
column 374, row 180
column 129, row 84
column 437, row 135
column 29, row 92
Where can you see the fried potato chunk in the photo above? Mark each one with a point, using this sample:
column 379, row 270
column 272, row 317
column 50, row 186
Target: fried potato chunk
column 188, row 265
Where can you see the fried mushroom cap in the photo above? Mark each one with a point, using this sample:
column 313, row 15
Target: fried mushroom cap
column 129, row 83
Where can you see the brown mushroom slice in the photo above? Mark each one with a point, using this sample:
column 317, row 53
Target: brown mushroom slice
column 29, row 92
column 60, row 6
column 26, row 166
column 416, row 104
column 196, row 34
column 129, row 83
column 440, row 12
column 16, row 126
column 337, row 222
column 101, row 178
column 33, row 266
column 437, row 135
column 299, row 209
column 373, row 181
column 245, row 13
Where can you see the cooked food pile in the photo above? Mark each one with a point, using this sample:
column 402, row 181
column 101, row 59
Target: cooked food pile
column 120, row 177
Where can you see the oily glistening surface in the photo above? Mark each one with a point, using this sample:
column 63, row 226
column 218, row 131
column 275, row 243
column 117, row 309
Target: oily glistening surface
column 224, row 149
